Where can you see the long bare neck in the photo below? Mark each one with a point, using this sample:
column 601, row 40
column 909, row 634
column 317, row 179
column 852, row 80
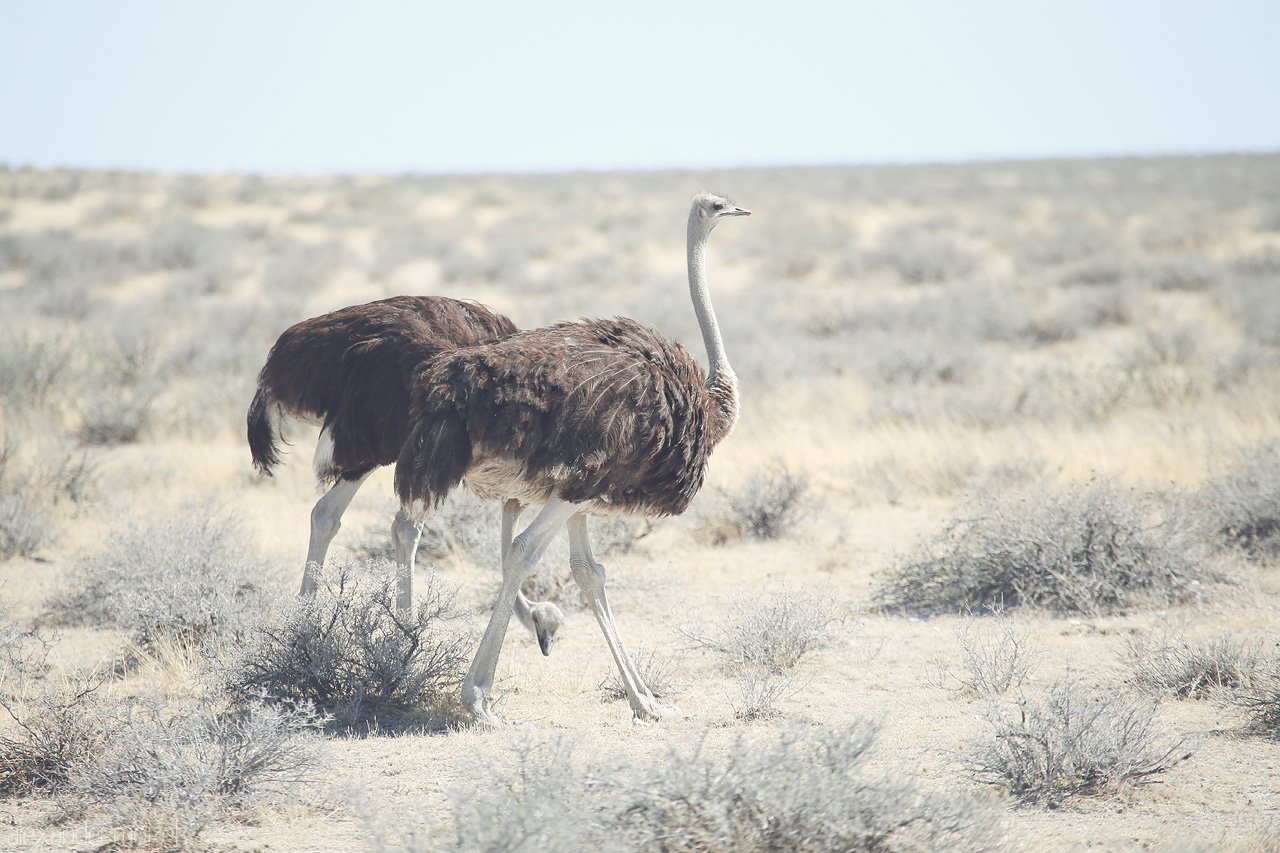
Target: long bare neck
column 722, row 383
column 717, row 361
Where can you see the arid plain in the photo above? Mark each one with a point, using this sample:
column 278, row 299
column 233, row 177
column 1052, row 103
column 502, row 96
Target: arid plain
column 914, row 345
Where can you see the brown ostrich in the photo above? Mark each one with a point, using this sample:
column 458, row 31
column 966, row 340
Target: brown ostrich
column 597, row 417
column 349, row 371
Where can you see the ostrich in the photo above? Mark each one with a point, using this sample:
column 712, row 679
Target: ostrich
column 349, row 370
column 596, row 417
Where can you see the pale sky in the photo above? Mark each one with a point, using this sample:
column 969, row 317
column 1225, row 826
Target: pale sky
column 287, row 87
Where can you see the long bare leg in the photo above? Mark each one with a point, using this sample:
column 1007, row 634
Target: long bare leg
column 544, row 618
column 590, row 576
column 405, row 535
column 520, row 560
column 326, row 520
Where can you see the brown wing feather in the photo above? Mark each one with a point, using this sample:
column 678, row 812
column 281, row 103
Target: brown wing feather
column 351, row 369
column 599, row 410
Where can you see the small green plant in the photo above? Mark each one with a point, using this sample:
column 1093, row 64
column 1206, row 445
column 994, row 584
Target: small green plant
column 352, row 654
column 1069, row 740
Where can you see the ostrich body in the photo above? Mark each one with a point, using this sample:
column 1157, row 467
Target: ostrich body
column 597, row 417
column 349, row 371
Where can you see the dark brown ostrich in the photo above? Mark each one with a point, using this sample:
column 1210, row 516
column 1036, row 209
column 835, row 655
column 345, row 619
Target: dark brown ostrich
column 349, row 371
column 598, row 417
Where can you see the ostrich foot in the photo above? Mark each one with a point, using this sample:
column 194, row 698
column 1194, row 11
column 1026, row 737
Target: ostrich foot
column 647, row 712
column 477, row 704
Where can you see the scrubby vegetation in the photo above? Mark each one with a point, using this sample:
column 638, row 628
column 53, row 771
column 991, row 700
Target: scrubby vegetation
column 998, row 656
column 178, row 578
column 1067, row 740
column 348, row 652
column 1097, row 549
column 808, row 791
column 768, row 505
column 55, row 724
column 762, row 640
column 1048, row 387
column 1258, row 698
column 165, row 772
column 1241, row 505
column 1193, row 669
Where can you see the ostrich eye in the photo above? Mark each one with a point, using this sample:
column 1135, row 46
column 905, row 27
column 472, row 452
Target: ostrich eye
column 719, row 205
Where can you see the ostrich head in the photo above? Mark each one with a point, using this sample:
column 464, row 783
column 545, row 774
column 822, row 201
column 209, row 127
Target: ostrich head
column 708, row 210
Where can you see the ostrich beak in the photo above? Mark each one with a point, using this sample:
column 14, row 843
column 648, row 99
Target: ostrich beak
column 544, row 642
column 737, row 211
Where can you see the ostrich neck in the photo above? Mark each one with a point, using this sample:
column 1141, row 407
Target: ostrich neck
column 717, row 362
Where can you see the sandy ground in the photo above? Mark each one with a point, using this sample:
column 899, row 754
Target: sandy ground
column 877, row 488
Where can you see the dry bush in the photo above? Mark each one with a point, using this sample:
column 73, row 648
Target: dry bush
column 1193, row 669
column 761, row 641
column 1241, row 506
column 24, row 522
column 767, row 506
column 178, row 577
column 997, row 657
column 1092, row 550
column 57, row 726
column 807, row 791
column 775, row 630
column 31, row 373
column 166, row 772
column 1258, row 698
column 760, row 692
column 115, row 415
column 620, row 535
column 29, row 492
column 352, row 654
column 1069, row 740
column 467, row 529
column 462, row 526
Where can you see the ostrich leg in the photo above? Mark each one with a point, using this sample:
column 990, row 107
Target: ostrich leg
column 326, row 520
column 518, row 563
column 590, row 577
